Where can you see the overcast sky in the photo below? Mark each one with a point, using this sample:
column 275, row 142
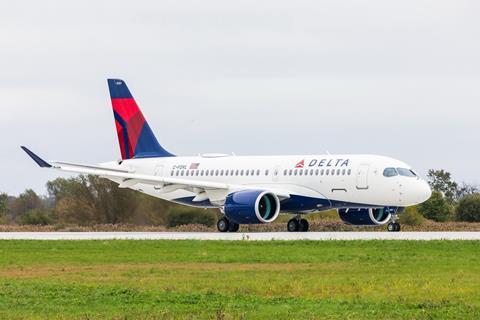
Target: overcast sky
column 398, row 78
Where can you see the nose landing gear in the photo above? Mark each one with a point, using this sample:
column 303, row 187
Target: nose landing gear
column 393, row 227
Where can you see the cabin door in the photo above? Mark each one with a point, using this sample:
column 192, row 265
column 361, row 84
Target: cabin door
column 362, row 176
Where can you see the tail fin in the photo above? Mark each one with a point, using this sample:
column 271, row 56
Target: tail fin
column 135, row 137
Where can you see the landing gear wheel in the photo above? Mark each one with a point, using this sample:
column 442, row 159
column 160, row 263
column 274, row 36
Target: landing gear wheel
column 303, row 225
column 293, row 225
column 233, row 227
column 393, row 227
column 223, row 225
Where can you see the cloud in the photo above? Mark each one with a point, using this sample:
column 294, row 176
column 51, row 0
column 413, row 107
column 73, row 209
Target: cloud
column 252, row 77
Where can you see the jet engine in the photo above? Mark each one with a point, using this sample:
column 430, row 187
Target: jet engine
column 366, row 216
column 252, row 207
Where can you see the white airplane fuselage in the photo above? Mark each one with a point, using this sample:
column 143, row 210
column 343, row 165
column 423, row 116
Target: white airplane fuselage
column 315, row 183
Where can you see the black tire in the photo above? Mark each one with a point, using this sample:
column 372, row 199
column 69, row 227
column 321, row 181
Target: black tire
column 293, row 225
column 391, row 227
column 397, row 227
column 223, row 225
column 304, row 225
column 233, row 227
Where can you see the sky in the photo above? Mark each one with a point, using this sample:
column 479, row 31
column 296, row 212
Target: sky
column 396, row 78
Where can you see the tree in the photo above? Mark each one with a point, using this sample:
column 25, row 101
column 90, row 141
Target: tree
column 436, row 208
column 3, row 203
column 36, row 217
column 468, row 208
column 465, row 189
column 441, row 181
column 26, row 201
column 90, row 199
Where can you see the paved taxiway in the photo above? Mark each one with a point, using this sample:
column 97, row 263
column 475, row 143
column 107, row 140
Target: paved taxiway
column 255, row 236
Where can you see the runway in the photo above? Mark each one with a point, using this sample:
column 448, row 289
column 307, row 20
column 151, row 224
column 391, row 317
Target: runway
column 251, row 236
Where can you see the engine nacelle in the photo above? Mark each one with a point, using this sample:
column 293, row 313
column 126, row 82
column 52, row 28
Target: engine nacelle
column 252, row 207
column 366, row 216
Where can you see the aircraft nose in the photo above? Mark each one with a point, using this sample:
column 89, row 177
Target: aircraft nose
column 424, row 192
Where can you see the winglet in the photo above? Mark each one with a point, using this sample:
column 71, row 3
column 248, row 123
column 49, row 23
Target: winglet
column 42, row 163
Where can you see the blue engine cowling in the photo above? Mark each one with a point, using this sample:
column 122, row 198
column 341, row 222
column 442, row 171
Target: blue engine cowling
column 366, row 216
column 252, row 207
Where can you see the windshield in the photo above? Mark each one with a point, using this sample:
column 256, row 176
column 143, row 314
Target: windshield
column 390, row 172
column 406, row 172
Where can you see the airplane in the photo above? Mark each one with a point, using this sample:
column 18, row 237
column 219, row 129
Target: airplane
column 366, row 190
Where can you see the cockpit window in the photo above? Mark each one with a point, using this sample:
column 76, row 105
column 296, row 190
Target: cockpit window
column 406, row 172
column 390, row 172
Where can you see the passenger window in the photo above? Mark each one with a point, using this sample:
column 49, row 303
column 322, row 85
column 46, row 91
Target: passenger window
column 343, row 172
column 322, row 172
column 285, row 172
column 258, row 172
column 181, row 173
column 349, row 171
column 176, row 173
column 295, row 172
column 327, row 172
column 316, row 172
column 300, row 172
column 241, row 172
column 186, row 173
column 231, row 172
column 266, row 172
column 338, row 172
column 390, row 172
column 221, row 172
column 333, row 172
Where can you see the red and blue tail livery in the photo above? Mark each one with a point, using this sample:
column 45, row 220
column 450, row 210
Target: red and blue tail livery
column 135, row 137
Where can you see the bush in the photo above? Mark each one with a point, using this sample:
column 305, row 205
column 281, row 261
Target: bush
column 468, row 208
column 436, row 208
column 411, row 217
column 190, row 216
column 36, row 217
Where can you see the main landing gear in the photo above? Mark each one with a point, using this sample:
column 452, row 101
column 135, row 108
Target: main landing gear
column 225, row 225
column 297, row 224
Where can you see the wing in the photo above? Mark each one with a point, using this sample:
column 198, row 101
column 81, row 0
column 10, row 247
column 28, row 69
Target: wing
column 203, row 189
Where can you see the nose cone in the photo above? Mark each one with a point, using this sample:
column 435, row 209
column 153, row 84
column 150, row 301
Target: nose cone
column 424, row 192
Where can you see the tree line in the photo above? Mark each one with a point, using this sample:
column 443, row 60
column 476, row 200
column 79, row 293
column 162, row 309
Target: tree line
column 88, row 200
column 450, row 200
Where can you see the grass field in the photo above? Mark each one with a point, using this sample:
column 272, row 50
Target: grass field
column 239, row 280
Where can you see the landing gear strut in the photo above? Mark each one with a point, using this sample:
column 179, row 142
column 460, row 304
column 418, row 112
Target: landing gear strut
column 296, row 224
column 224, row 225
column 394, row 226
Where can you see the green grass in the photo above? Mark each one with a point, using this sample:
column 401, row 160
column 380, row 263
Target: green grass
column 239, row 280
